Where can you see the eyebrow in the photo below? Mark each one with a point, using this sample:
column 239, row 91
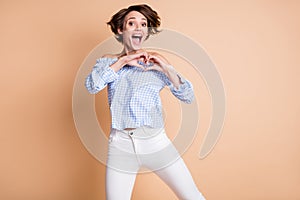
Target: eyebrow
column 135, row 18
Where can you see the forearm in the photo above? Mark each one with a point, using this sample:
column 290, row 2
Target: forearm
column 119, row 64
column 130, row 59
column 180, row 87
column 172, row 75
column 100, row 75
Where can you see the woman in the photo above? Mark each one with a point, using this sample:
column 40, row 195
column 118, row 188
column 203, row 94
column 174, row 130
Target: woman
column 134, row 79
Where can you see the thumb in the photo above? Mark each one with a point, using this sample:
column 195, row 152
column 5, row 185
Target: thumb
column 150, row 68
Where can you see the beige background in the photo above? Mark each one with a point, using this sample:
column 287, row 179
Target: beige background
column 255, row 45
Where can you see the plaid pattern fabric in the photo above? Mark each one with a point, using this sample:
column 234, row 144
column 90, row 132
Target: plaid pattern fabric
column 133, row 94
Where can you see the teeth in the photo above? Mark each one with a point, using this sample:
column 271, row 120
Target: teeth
column 139, row 37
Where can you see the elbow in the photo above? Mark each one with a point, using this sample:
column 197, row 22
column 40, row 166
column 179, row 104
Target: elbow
column 93, row 91
column 91, row 88
column 189, row 101
column 189, row 98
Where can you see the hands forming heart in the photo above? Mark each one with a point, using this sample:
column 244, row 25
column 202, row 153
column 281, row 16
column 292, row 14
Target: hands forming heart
column 144, row 60
column 148, row 61
column 149, row 64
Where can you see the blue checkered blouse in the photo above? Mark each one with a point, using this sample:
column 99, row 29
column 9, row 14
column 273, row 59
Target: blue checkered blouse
column 133, row 94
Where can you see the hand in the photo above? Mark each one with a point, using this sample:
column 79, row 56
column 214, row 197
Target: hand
column 130, row 58
column 162, row 65
column 133, row 58
column 159, row 63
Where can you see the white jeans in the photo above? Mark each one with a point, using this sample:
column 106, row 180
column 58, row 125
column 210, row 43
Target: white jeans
column 146, row 148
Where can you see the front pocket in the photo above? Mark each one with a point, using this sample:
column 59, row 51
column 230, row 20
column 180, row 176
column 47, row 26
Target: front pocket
column 112, row 136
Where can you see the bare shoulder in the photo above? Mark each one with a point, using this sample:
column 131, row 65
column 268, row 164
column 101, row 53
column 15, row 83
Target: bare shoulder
column 112, row 56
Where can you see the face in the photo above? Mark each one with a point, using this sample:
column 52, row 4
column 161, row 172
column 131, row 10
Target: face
column 134, row 31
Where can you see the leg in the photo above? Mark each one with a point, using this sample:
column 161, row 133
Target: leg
column 119, row 184
column 179, row 179
column 122, row 167
column 159, row 155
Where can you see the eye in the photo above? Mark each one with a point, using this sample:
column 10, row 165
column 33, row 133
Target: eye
column 130, row 23
column 144, row 24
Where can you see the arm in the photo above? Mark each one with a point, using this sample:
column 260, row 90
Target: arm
column 184, row 91
column 179, row 87
column 105, row 70
column 101, row 75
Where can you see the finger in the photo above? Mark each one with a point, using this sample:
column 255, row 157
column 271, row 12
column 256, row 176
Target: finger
column 139, row 65
column 160, row 57
column 139, row 55
column 153, row 61
column 149, row 68
column 156, row 68
column 154, row 58
column 145, row 55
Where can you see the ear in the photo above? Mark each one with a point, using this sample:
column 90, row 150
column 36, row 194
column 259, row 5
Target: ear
column 120, row 31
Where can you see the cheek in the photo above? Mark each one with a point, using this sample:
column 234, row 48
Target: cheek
column 128, row 27
column 145, row 32
column 145, row 29
column 126, row 34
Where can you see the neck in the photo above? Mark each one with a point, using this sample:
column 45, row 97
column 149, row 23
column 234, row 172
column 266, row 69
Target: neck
column 126, row 50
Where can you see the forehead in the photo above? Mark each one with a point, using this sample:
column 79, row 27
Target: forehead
column 135, row 15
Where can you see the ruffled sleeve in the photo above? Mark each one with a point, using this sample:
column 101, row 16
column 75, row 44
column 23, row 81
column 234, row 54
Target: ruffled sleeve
column 101, row 75
column 184, row 92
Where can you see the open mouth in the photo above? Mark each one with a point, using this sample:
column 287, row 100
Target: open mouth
column 137, row 39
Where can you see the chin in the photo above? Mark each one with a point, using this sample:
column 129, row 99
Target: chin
column 137, row 47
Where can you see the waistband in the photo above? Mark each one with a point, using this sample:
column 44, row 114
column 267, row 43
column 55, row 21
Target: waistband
column 143, row 132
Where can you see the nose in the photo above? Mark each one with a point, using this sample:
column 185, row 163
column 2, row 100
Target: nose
column 138, row 27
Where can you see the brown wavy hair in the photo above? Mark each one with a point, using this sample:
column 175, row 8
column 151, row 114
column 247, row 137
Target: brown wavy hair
column 117, row 20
